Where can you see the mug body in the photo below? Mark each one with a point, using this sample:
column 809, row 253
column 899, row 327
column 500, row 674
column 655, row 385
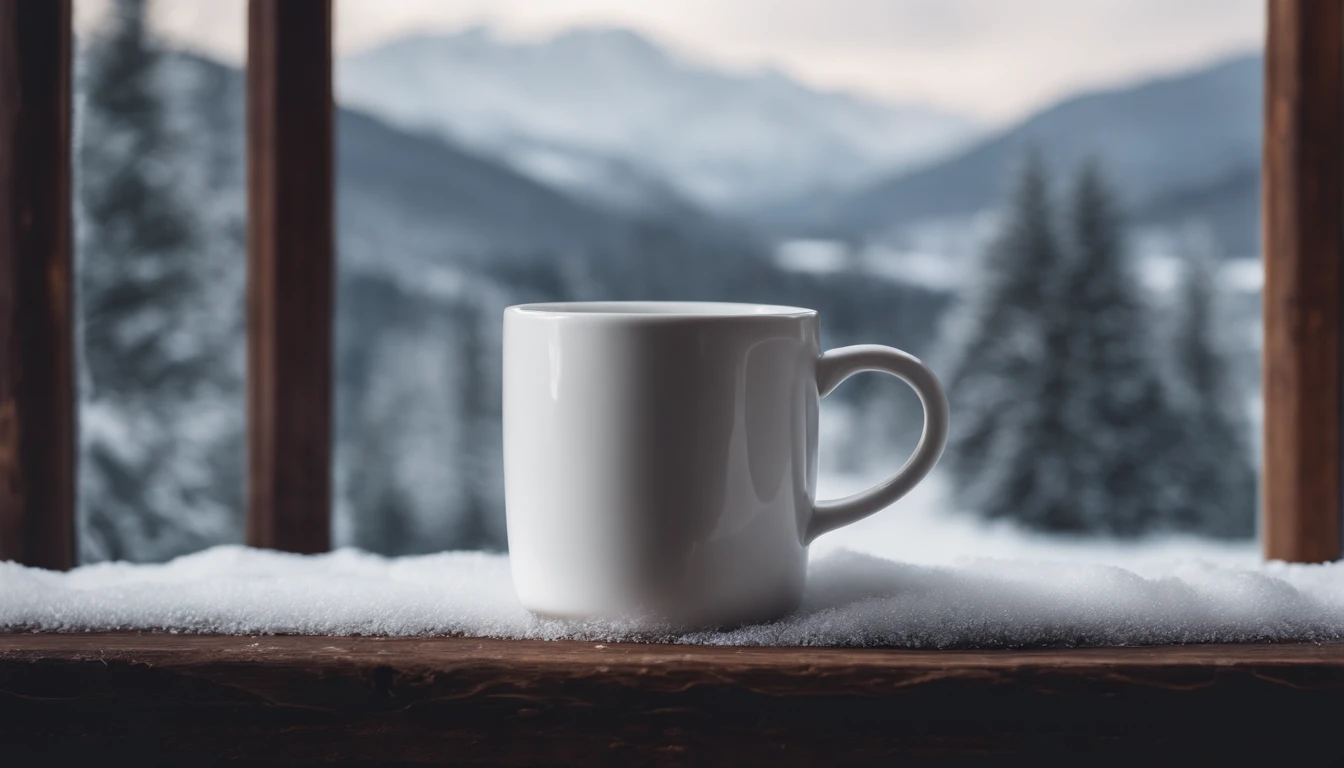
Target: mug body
column 659, row 459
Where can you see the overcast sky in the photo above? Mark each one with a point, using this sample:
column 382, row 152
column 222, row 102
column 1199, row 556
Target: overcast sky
column 995, row 59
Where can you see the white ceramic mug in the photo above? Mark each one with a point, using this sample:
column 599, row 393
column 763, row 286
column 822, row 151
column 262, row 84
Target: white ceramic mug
column 660, row 458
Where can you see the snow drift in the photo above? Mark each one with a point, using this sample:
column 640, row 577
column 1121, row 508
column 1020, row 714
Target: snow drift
column 852, row 599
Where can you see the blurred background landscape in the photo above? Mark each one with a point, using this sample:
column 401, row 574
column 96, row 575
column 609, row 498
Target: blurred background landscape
column 1076, row 253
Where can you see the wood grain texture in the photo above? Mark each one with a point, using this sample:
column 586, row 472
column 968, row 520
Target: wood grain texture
column 1304, row 240
column 37, row 393
column 471, row 701
column 290, row 274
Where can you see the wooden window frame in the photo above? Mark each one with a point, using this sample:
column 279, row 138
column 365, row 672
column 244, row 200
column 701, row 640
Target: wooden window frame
column 1303, row 203
column 383, row 699
column 37, row 327
column 291, row 268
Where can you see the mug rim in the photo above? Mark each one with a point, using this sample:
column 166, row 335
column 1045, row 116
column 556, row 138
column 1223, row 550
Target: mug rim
column 684, row 310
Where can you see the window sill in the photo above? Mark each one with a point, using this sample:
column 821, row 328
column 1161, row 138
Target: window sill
column 288, row 698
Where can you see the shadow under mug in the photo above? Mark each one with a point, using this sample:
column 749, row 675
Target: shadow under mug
column 660, row 458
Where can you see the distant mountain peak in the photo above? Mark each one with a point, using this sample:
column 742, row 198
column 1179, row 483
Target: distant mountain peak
column 480, row 31
column 613, row 38
column 614, row 97
column 480, row 34
column 1189, row 135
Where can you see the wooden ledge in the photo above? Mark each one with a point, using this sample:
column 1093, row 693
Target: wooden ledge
column 416, row 700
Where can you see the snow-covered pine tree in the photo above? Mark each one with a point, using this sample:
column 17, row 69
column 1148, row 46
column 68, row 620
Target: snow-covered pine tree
column 1212, row 463
column 148, row 485
column 418, row 454
column 1116, row 405
column 401, row 483
column 994, row 338
column 480, row 442
column 135, row 230
column 1031, row 472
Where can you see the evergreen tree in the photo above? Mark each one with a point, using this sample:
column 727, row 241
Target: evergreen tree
column 154, row 384
column 1031, row 473
column 402, row 480
column 480, row 434
column 1064, row 422
column 377, row 515
column 1116, row 402
column 1214, row 472
column 137, row 234
column 419, row 451
column 996, row 337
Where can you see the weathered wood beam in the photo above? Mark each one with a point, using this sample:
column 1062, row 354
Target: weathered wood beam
column 290, row 274
column 471, row 701
column 37, row 373
column 1303, row 243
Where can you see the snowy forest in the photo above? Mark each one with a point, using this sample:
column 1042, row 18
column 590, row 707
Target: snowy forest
column 1088, row 397
column 1078, row 407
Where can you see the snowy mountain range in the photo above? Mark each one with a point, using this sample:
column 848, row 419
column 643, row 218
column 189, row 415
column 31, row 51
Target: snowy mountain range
column 1181, row 147
column 615, row 117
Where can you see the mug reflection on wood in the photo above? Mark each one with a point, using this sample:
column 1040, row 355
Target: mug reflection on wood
column 660, row 458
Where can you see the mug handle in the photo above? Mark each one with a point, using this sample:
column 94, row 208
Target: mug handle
column 837, row 365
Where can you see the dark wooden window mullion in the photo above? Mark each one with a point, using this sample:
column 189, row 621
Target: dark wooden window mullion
column 37, row 392
column 1303, row 237
column 290, row 274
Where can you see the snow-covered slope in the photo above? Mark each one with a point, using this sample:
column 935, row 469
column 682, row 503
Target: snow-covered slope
column 609, row 113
